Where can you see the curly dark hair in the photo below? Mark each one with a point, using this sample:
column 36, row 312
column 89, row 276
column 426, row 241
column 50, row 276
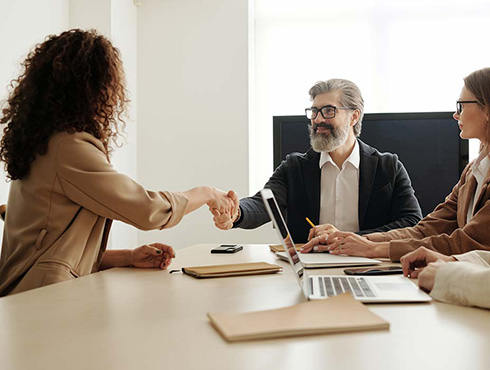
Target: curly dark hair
column 72, row 82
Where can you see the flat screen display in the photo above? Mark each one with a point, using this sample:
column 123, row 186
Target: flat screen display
column 428, row 145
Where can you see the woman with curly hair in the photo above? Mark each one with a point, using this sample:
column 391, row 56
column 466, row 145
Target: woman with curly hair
column 61, row 119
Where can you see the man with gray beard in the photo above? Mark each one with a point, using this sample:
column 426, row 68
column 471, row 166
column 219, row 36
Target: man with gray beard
column 341, row 183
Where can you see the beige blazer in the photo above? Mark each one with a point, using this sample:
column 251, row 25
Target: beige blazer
column 445, row 229
column 58, row 217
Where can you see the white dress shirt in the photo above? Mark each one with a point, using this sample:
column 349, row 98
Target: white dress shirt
column 480, row 169
column 339, row 191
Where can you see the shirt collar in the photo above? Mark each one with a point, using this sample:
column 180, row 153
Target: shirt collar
column 354, row 158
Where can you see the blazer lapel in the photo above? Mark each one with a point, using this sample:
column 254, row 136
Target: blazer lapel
column 311, row 176
column 483, row 190
column 467, row 191
column 367, row 171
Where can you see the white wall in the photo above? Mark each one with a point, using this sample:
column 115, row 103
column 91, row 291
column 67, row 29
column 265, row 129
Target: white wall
column 124, row 36
column 193, row 108
column 405, row 56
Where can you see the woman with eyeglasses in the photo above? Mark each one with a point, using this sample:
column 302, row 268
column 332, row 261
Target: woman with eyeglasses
column 61, row 121
column 461, row 224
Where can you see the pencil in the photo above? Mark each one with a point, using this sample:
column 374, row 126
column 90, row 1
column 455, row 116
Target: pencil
column 311, row 223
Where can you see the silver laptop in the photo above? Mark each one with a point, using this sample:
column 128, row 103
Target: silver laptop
column 375, row 289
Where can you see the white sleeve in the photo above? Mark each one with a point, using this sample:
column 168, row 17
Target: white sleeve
column 481, row 258
column 462, row 283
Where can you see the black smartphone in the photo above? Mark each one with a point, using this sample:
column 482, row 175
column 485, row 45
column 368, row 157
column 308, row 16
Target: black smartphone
column 227, row 248
column 390, row 270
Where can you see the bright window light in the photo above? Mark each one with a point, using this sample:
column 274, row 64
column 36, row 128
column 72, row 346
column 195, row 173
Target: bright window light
column 405, row 56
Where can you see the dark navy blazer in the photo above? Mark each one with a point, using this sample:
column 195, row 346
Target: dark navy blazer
column 386, row 197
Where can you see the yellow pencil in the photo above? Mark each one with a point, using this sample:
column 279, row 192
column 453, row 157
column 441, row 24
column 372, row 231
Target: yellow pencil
column 311, row 223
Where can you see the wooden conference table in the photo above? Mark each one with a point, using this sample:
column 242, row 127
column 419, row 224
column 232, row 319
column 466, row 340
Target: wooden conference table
column 150, row 319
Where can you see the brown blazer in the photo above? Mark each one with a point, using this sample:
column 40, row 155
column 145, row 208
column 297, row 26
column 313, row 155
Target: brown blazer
column 445, row 229
column 59, row 216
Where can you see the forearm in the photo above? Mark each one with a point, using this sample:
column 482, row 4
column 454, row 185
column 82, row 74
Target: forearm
column 252, row 214
column 400, row 223
column 381, row 250
column 197, row 198
column 116, row 258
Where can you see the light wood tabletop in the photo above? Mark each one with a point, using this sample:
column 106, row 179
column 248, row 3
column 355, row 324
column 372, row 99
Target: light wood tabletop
column 129, row 318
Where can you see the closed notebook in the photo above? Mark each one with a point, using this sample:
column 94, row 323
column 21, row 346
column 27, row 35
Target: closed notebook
column 280, row 248
column 238, row 269
column 341, row 313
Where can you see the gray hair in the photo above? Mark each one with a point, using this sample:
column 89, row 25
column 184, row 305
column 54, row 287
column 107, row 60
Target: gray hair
column 351, row 96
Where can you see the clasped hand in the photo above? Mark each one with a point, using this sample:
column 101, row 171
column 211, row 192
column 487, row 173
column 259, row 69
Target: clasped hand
column 326, row 238
column 156, row 255
column 225, row 210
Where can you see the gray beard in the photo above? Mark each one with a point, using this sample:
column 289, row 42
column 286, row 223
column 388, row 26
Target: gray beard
column 328, row 142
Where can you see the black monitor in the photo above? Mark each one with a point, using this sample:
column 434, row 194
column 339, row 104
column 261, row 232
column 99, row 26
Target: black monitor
column 428, row 144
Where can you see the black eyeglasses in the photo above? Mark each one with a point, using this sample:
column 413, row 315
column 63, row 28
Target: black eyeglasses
column 459, row 105
column 328, row 111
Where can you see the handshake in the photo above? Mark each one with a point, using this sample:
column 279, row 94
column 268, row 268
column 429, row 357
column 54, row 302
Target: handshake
column 225, row 208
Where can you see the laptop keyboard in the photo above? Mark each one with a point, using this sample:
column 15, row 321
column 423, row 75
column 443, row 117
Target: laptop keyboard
column 332, row 285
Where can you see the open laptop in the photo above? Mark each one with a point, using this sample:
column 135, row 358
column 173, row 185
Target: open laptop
column 375, row 289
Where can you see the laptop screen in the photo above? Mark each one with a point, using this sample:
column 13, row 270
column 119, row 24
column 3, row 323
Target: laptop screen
column 282, row 230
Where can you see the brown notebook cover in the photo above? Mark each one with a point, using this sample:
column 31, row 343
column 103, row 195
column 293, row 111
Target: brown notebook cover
column 340, row 313
column 280, row 248
column 238, row 269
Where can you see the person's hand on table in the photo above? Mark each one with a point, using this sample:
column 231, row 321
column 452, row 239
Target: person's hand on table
column 415, row 262
column 319, row 230
column 224, row 221
column 156, row 255
column 427, row 276
column 339, row 242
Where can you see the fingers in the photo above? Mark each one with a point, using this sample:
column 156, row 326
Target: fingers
column 405, row 266
column 151, row 250
column 236, row 202
column 222, row 203
column 341, row 234
column 317, row 244
column 314, row 248
column 223, row 221
column 164, row 247
column 350, row 244
column 321, row 230
column 308, row 247
column 414, row 274
column 412, row 261
column 215, row 212
column 427, row 276
column 337, row 244
column 311, row 234
column 232, row 195
column 165, row 253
